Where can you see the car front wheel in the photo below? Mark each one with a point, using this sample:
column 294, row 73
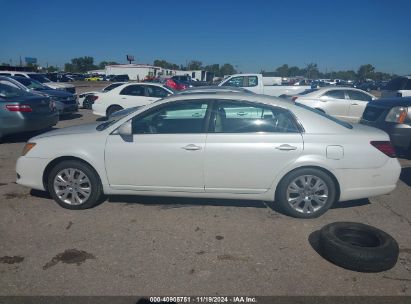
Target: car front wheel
column 74, row 185
column 306, row 193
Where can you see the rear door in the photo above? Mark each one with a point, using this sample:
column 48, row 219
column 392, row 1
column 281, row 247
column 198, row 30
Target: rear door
column 358, row 101
column 134, row 95
column 247, row 146
column 335, row 104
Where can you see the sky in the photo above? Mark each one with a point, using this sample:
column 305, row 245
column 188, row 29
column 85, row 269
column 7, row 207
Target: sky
column 252, row 35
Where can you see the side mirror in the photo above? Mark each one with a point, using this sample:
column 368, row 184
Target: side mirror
column 125, row 129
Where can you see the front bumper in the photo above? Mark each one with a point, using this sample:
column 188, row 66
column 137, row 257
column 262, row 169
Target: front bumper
column 30, row 172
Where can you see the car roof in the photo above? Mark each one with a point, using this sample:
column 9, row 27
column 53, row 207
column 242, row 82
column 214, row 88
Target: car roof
column 233, row 96
column 205, row 89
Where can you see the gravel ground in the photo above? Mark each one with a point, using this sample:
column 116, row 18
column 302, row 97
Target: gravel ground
column 173, row 246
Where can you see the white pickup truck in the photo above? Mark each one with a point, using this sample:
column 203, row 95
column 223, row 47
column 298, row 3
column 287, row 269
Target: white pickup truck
column 255, row 83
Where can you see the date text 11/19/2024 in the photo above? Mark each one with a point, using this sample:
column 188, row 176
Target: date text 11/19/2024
column 203, row 299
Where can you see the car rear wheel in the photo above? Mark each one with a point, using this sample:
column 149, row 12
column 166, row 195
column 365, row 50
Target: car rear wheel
column 74, row 185
column 306, row 193
column 113, row 109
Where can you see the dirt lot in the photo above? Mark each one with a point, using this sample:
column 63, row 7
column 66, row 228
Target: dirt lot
column 171, row 246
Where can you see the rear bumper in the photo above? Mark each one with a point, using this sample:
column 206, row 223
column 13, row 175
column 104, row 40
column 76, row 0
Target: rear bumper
column 99, row 109
column 28, row 123
column 368, row 182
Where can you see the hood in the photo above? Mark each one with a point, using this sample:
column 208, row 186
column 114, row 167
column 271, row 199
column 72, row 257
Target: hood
column 81, row 129
column 58, row 85
column 391, row 102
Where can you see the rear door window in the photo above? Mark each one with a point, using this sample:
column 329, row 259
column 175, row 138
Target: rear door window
column 133, row 90
column 335, row 94
column 240, row 117
column 356, row 95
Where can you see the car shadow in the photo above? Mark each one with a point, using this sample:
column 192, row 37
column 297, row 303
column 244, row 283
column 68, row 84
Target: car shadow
column 352, row 203
column 180, row 202
column 70, row 116
column 24, row 137
column 406, row 176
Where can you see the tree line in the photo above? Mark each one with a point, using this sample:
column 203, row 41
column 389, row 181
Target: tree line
column 311, row 71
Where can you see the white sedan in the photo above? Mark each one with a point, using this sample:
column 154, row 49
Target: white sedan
column 346, row 104
column 128, row 95
column 214, row 145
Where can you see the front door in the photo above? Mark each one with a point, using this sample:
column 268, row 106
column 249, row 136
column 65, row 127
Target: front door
column 166, row 152
column 248, row 146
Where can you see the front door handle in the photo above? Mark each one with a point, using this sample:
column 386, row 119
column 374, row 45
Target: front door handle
column 286, row 147
column 191, row 147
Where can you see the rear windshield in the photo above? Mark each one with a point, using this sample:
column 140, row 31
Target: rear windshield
column 7, row 91
column 337, row 121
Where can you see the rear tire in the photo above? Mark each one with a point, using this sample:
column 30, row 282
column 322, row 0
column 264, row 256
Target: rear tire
column 306, row 193
column 75, row 185
column 113, row 109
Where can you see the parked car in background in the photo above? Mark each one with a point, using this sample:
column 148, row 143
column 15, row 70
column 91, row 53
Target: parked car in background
column 346, row 104
column 175, row 84
column 190, row 82
column 393, row 115
column 85, row 102
column 128, row 95
column 42, row 79
column 303, row 160
column 397, row 87
column 255, row 83
column 217, row 89
column 118, row 78
column 22, row 111
column 65, row 102
column 95, row 78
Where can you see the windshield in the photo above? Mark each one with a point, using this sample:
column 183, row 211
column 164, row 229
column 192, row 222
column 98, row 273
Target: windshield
column 39, row 77
column 8, row 91
column 31, row 84
column 340, row 122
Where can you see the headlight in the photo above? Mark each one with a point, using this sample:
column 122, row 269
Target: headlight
column 397, row 114
column 27, row 148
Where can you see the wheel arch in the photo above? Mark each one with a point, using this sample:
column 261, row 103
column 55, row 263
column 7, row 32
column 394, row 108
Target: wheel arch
column 326, row 171
column 58, row 160
column 113, row 106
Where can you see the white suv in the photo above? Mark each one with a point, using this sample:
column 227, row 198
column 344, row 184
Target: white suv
column 42, row 79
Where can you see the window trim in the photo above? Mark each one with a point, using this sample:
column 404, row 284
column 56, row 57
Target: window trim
column 161, row 106
column 211, row 123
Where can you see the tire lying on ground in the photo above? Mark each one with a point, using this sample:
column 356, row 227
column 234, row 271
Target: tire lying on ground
column 358, row 247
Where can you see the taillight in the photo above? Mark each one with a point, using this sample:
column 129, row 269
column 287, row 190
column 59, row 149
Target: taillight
column 385, row 147
column 93, row 98
column 19, row 108
column 294, row 98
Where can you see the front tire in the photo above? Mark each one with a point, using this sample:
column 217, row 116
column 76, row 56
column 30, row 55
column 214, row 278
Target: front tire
column 306, row 193
column 75, row 185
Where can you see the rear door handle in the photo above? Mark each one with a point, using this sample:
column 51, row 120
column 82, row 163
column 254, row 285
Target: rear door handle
column 354, row 104
column 191, row 147
column 286, row 147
